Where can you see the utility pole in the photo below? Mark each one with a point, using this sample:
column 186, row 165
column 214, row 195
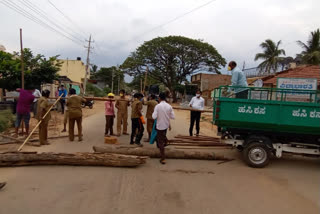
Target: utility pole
column 22, row 63
column 87, row 66
column 112, row 79
column 244, row 65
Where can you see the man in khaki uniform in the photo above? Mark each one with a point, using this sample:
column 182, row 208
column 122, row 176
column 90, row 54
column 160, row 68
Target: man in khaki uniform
column 151, row 104
column 75, row 113
column 42, row 108
column 122, row 114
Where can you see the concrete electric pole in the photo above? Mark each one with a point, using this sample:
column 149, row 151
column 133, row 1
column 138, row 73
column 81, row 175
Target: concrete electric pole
column 87, row 66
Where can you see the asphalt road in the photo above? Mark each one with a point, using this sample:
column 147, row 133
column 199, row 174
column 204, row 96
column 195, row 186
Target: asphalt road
column 288, row 185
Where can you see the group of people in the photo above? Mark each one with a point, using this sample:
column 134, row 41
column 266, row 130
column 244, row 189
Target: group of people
column 160, row 111
column 29, row 100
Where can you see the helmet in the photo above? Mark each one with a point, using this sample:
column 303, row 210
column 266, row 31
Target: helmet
column 110, row 95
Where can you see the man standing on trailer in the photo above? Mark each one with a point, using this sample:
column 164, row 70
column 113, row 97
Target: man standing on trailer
column 196, row 103
column 238, row 79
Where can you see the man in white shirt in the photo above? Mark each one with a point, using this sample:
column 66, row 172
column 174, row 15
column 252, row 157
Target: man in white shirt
column 163, row 112
column 197, row 103
column 34, row 106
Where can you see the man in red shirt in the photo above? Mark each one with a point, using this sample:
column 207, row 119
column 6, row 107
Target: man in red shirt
column 23, row 109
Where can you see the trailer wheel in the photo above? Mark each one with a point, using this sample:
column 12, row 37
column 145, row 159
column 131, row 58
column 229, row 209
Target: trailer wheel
column 256, row 154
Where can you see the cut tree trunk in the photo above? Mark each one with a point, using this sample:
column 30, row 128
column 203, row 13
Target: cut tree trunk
column 154, row 153
column 77, row 159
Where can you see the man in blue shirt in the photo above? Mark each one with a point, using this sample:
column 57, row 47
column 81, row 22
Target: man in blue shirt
column 238, row 79
column 64, row 93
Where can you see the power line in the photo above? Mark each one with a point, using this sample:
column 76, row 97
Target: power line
column 31, row 7
column 31, row 17
column 174, row 19
column 53, row 21
column 66, row 17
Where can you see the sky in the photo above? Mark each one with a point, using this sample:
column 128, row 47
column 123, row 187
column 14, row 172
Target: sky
column 235, row 28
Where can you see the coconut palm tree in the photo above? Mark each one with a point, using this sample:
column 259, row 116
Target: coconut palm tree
column 311, row 52
column 271, row 56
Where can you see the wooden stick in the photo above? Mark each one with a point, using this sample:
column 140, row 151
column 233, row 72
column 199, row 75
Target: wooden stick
column 190, row 109
column 26, row 140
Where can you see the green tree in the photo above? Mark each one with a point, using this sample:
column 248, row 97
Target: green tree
column 271, row 56
column 38, row 69
column 106, row 74
column 311, row 52
column 10, row 73
column 94, row 69
column 171, row 59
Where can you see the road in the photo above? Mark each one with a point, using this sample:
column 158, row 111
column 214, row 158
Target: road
column 289, row 185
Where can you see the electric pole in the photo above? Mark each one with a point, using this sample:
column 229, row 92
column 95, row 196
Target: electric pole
column 87, row 66
column 22, row 63
column 112, row 70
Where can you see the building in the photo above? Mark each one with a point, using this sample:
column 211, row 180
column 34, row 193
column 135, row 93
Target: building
column 75, row 70
column 207, row 82
column 306, row 71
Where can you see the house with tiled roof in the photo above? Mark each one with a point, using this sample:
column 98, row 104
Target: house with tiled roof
column 306, row 71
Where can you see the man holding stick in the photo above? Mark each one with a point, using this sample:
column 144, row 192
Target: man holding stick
column 42, row 108
column 122, row 114
column 163, row 112
column 75, row 113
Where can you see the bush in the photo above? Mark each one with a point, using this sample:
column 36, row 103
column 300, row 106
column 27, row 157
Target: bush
column 6, row 119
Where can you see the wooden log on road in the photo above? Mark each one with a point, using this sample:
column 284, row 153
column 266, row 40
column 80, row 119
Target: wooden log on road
column 77, row 159
column 154, row 153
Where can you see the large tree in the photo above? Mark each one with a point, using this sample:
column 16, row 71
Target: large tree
column 271, row 56
column 311, row 52
column 10, row 72
column 171, row 59
column 38, row 70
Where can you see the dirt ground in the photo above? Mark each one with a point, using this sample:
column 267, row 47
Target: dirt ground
column 287, row 185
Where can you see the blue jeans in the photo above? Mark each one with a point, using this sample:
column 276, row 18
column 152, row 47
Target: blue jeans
column 25, row 117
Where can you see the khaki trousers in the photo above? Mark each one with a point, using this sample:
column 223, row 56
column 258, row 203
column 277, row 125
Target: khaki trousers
column 122, row 117
column 71, row 127
column 43, row 132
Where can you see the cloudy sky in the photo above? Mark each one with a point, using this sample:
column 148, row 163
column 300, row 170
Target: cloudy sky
column 118, row 27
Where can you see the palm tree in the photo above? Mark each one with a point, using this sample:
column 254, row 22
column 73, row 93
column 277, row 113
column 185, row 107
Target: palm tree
column 311, row 52
column 271, row 56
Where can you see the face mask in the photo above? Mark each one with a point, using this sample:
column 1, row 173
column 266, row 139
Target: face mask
column 198, row 95
column 121, row 95
column 229, row 68
column 141, row 99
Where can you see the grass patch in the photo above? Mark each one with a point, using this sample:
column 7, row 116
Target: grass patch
column 6, row 119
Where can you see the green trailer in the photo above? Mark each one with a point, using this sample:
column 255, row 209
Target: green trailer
column 265, row 121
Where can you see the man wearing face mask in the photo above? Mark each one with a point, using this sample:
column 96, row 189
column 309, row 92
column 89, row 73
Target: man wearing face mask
column 238, row 79
column 197, row 103
column 122, row 114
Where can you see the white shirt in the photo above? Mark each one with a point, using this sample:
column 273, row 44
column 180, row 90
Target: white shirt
column 197, row 103
column 163, row 112
column 36, row 93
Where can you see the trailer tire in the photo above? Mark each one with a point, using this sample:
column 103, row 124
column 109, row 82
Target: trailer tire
column 256, row 154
